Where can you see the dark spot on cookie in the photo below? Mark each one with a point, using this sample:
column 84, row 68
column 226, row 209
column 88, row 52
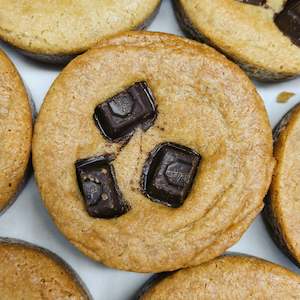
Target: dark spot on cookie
column 119, row 116
column 169, row 173
column 98, row 185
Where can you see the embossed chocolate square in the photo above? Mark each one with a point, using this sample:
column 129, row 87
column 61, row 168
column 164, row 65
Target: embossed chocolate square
column 97, row 183
column 169, row 173
column 119, row 116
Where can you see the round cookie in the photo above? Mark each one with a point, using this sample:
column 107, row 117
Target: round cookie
column 259, row 35
column 29, row 272
column 282, row 204
column 15, row 132
column 228, row 277
column 56, row 31
column 121, row 226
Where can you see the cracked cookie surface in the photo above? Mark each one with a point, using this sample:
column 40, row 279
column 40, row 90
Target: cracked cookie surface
column 204, row 102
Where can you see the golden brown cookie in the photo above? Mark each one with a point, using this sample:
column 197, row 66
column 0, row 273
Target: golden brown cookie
column 31, row 273
column 55, row 31
column 258, row 37
column 228, row 277
column 282, row 204
column 15, row 132
column 179, row 181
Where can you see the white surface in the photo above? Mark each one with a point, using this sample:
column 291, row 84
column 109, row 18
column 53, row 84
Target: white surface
column 27, row 219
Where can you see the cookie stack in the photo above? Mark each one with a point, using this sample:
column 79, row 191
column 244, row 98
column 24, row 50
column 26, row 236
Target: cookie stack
column 152, row 152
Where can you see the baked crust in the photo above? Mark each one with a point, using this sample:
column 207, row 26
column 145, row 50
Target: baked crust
column 234, row 175
column 228, row 277
column 282, row 207
column 32, row 273
column 245, row 33
column 15, row 131
column 56, row 31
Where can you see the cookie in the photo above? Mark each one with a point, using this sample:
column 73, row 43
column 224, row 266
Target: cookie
column 29, row 272
column 15, row 132
column 262, row 36
column 152, row 152
column 56, row 31
column 228, row 277
column 282, row 203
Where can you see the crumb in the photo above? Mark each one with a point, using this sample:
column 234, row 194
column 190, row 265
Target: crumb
column 284, row 97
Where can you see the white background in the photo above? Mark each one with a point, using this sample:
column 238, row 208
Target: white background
column 27, row 219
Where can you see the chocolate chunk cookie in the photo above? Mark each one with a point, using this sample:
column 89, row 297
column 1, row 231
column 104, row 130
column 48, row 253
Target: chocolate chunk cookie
column 174, row 193
column 262, row 36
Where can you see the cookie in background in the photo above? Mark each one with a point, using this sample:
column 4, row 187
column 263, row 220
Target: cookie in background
column 283, row 201
column 228, row 277
column 29, row 272
column 56, row 31
column 15, row 131
column 262, row 36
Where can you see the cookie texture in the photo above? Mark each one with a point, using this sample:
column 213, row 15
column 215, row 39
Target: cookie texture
column 245, row 33
column 204, row 102
column 228, row 277
column 15, row 132
column 56, row 31
column 282, row 204
column 31, row 273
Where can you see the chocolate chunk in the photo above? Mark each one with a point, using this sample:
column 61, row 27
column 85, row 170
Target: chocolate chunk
column 254, row 2
column 169, row 173
column 288, row 21
column 97, row 183
column 118, row 117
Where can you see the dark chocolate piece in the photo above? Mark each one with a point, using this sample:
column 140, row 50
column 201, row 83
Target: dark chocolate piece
column 97, row 183
column 118, row 117
column 254, row 2
column 169, row 173
column 288, row 21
